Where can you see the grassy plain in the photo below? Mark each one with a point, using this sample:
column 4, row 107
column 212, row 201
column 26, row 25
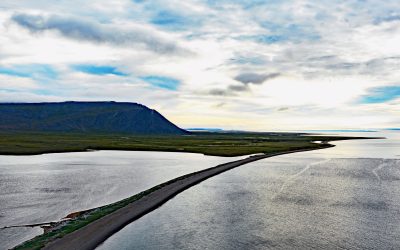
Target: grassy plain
column 217, row 144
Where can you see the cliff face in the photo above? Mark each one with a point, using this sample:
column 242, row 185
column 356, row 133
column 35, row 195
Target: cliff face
column 104, row 117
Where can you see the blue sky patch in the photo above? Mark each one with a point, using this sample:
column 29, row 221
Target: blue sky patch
column 173, row 20
column 162, row 82
column 30, row 70
column 246, row 4
column 269, row 39
column 98, row 70
column 283, row 33
column 381, row 94
column 14, row 72
column 167, row 18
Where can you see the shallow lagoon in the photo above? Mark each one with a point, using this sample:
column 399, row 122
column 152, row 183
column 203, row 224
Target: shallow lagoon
column 43, row 188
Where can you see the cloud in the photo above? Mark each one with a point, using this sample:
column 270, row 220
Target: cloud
column 332, row 58
column 231, row 90
column 238, row 87
column 219, row 92
column 276, row 38
column 84, row 30
column 248, row 59
column 322, row 58
column 15, row 84
column 390, row 18
column 245, row 79
column 255, row 78
column 283, row 109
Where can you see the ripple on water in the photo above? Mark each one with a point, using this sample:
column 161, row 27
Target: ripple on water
column 42, row 188
column 335, row 204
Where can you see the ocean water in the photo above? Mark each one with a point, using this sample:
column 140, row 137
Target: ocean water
column 43, row 188
column 346, row 197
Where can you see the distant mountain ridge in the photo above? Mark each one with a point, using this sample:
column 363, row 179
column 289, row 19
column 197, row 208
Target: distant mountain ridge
column 105, row 117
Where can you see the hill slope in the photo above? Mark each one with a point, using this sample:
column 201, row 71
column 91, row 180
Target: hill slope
column 107, row 117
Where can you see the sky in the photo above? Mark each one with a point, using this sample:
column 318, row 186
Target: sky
column 237, row 64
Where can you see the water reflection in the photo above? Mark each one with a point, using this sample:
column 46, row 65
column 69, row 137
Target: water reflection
column 329, row 199
column 377, row 148
column 42, row 188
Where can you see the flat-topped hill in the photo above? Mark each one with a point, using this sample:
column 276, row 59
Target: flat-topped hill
column 103, row 117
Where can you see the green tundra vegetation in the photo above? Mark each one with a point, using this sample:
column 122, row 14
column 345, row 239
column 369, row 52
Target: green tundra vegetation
column 217, row 144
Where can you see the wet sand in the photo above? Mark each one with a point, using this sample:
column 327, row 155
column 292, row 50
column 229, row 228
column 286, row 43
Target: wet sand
column 93, row 234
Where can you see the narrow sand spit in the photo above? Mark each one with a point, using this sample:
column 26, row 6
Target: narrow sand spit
column 93, row 234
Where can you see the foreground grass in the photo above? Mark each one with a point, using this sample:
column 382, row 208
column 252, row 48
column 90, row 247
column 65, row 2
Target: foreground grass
column 217, row 144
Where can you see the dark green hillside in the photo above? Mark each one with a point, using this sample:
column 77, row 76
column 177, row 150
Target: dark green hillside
column 93, row 117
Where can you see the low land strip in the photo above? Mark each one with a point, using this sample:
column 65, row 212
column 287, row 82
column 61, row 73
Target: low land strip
column 217, row 144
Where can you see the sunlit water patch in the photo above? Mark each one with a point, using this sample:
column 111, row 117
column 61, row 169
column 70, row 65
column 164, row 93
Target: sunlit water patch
column 43, row 188
column 322, row 199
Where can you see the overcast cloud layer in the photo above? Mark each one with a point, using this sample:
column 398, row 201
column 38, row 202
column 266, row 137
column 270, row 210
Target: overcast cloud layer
column 254, row 65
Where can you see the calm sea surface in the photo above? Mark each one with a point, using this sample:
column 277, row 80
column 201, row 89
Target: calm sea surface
column 347, row 197
column 42, row 188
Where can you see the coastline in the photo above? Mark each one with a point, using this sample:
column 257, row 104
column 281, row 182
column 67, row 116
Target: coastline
column 90, row 234
column 213, row 144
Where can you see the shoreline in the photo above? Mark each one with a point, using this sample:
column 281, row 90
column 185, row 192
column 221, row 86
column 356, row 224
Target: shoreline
column 323, row 142
column 95, row 232
column 212, row 144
